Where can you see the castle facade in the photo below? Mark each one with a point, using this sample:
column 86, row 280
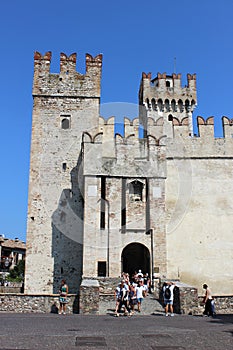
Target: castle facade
column 101, row 203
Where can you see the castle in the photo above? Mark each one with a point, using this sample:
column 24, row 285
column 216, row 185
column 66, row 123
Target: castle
column 101, row 203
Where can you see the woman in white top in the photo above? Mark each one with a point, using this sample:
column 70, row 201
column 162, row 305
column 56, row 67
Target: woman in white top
column 139, row 294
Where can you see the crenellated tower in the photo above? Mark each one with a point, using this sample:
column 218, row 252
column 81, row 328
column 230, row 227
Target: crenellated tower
column 166, row 102
column 64, row 105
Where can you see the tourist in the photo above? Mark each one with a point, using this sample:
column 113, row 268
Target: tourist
column 207, row 301
column 122, row 298
column 168, row 297
column 132, row 298
column 139, row 294
column 63, row 297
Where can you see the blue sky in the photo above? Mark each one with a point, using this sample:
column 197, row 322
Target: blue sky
column 134, row 36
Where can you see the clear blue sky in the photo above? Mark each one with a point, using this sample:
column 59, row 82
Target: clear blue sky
column 134, row 36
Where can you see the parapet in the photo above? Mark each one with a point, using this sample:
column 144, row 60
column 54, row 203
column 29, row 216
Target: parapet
column 169, row 87
column 155, row 130
column 68, row 81
column 227, row 125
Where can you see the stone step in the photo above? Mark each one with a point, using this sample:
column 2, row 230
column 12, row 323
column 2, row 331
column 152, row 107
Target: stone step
column 150, row 305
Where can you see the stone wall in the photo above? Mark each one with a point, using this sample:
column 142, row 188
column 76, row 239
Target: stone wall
column 23, row 303
column 89, row 297
column 223, row 304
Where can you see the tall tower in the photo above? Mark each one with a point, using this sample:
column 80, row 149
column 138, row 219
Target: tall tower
column 166, row 102
column 64, row 105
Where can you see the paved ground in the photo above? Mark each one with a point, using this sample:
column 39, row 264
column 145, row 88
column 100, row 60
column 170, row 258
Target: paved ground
column 155, row 332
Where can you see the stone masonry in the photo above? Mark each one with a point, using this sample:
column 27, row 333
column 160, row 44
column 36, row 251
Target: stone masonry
column 101, row 203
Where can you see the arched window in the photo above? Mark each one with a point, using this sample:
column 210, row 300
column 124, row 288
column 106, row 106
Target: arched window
column 160, row 105
column 173, row 106
column 167, row 107
column 168, row 84
column 135, row 191
column 187, row 106
column 180, row 105
column 153, row 104
column 65, row 123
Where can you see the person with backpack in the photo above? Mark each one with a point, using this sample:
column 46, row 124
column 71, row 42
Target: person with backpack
column 168, row 296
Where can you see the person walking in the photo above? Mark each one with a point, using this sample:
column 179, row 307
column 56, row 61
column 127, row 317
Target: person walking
column 207, row 301
column 63, row 297
column 168, row 297
column 139, row 294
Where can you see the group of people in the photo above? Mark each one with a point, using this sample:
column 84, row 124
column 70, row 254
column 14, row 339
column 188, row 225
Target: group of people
column 168, row 298
column 130, row 293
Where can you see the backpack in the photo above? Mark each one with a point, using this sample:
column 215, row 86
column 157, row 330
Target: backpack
column 167, row 293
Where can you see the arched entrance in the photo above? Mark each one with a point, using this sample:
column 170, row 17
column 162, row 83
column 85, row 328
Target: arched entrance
column 134, row 257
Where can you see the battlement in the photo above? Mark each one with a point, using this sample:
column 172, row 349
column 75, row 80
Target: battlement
column 165, row 93
column 107, row 130
column 68, row 82
column 112, row 152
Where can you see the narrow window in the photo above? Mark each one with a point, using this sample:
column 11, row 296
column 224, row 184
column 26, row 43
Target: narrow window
column 160, row 105
column 167, row 106
column 64, row 166
column 102, row 206
column 102, row 268
column 170, row 118
column 168, row 83
column 173, row 105
column 123, row 206
column 180, row 105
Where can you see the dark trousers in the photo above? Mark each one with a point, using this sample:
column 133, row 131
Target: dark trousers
column 124, row 303
column 208, row 308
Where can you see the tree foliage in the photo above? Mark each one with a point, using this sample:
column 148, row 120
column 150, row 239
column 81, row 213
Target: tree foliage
column 17, row 273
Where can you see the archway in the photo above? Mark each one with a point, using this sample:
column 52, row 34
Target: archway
column 134, row 257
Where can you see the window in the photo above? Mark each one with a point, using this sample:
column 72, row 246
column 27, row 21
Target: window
column 135, row 191
column 65, row 122
column 103, row 198
column 102, row 268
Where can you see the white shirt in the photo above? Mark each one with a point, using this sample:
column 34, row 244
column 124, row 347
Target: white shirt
column 139, row 292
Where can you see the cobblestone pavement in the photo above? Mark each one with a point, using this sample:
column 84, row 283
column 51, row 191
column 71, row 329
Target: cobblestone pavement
column 149, row 306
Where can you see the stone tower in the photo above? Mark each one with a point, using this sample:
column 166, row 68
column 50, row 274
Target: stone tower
column 64, row 105
column 164, row 100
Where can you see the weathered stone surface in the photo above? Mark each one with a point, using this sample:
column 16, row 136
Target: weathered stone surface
column 89, row 297
column 101, row 203
column 22, row 303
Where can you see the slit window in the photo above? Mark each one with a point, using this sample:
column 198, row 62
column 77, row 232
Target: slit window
column 103, row 207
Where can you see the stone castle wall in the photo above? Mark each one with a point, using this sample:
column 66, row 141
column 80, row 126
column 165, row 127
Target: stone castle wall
column 81, row 171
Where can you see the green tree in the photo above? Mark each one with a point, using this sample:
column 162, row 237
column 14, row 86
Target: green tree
column 17, row 273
